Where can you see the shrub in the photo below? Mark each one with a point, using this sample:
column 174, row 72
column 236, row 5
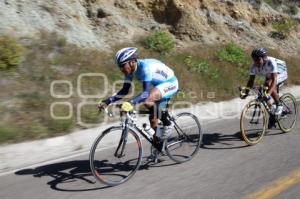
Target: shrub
column 10, row 133
column 293, row 9
column 61, row 126
column 90, row 115
column 10, row 52
column 270, row 2
column 274, row 3
column 243, row 72
column 202, row 67
column 61, row 41
column 33, row 100
column 234, row 54
column 159, row 41
column 285, row 26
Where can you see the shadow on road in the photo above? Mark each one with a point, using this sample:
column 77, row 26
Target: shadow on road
column 230, row 141
column 274, row 131
column 66, row 176
column 65, row 172
column 222, row 141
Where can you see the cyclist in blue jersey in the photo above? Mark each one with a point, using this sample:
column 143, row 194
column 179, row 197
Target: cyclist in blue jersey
column 159, row 84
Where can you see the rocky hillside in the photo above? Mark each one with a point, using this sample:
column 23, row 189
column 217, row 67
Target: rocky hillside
column 100, row 23
column 210, row 42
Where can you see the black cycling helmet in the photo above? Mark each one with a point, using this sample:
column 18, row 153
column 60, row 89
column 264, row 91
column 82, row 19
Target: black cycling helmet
column 259, row 52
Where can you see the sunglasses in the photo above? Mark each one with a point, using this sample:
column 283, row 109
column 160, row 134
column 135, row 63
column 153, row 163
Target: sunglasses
column 256, row 59
column 122, row 65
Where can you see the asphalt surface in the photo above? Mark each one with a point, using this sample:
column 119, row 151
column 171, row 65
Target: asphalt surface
column 225, row 167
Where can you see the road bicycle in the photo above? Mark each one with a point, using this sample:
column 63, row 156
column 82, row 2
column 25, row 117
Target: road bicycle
column 256, row 115
column 117, row 152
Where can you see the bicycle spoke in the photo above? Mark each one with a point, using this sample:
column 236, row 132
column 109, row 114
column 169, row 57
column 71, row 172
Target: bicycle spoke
column 288, row 117
column 181, row 133
column 115, row 156
column 185, row 139
column 253, row 123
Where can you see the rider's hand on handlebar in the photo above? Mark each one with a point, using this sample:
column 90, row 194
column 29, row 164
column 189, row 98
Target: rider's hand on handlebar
column 267, row 97
column 244, row 96
column 101, row 106
column 244, row 92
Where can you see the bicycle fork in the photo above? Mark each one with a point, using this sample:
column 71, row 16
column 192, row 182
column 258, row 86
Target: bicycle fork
column 122, row 143
column 253, row 115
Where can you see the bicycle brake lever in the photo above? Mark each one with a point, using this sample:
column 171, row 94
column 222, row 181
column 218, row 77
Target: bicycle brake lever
column 108, row 113
column 130, row 117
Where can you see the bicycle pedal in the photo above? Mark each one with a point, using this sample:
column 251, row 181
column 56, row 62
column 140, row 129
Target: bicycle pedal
column 284, row 114
column 162, row 152
column 152, row 158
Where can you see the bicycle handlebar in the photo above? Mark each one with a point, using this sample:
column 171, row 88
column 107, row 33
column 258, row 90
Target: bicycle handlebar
column 255, row 90
column 128, row 114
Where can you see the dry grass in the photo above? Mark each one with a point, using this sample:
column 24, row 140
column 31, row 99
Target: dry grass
column 26, row 100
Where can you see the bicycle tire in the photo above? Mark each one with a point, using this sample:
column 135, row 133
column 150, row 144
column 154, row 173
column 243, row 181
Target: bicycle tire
column 181, row 137
column 281, row 120
column 260, row 131
column 103, row 149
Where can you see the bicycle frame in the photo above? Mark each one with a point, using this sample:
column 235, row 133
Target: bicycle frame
column 125, row 152
column 260, row 110
column 126, row 123
column 259, row 90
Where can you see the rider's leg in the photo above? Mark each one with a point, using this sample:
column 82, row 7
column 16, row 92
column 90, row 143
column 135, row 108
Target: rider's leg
column 268, row 84
column 150, row 103
column 164, row 118
column 159, row 94
column 154, row 96
column 168, row 90
column 274, row 94
column 271, row 122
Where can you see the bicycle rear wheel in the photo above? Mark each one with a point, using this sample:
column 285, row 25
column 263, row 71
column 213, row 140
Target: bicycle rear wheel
column 109, row 168
column 287, row 119
column 184, row 142
column 253, row 122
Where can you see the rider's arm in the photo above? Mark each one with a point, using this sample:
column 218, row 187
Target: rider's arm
column 124, row 91
column 273, row 84
column 252, row 74
column 143, row 95
column 273, row 68
column 251, row 81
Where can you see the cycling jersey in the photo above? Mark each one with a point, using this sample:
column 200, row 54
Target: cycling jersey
column 150, row 72
column 272, row 65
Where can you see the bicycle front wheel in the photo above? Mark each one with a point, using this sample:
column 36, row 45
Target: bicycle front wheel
column 287, row 119
column 113, row 160
column 253, row 122
column 184, row 142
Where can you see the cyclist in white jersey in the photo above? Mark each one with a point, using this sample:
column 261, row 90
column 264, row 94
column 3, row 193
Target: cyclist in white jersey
column 159, row 83
column 274, row 70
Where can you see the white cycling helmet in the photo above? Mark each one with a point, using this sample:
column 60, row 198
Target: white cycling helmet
column 126, row 54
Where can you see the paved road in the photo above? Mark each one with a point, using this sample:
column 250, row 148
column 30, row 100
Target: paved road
column 224, row 168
